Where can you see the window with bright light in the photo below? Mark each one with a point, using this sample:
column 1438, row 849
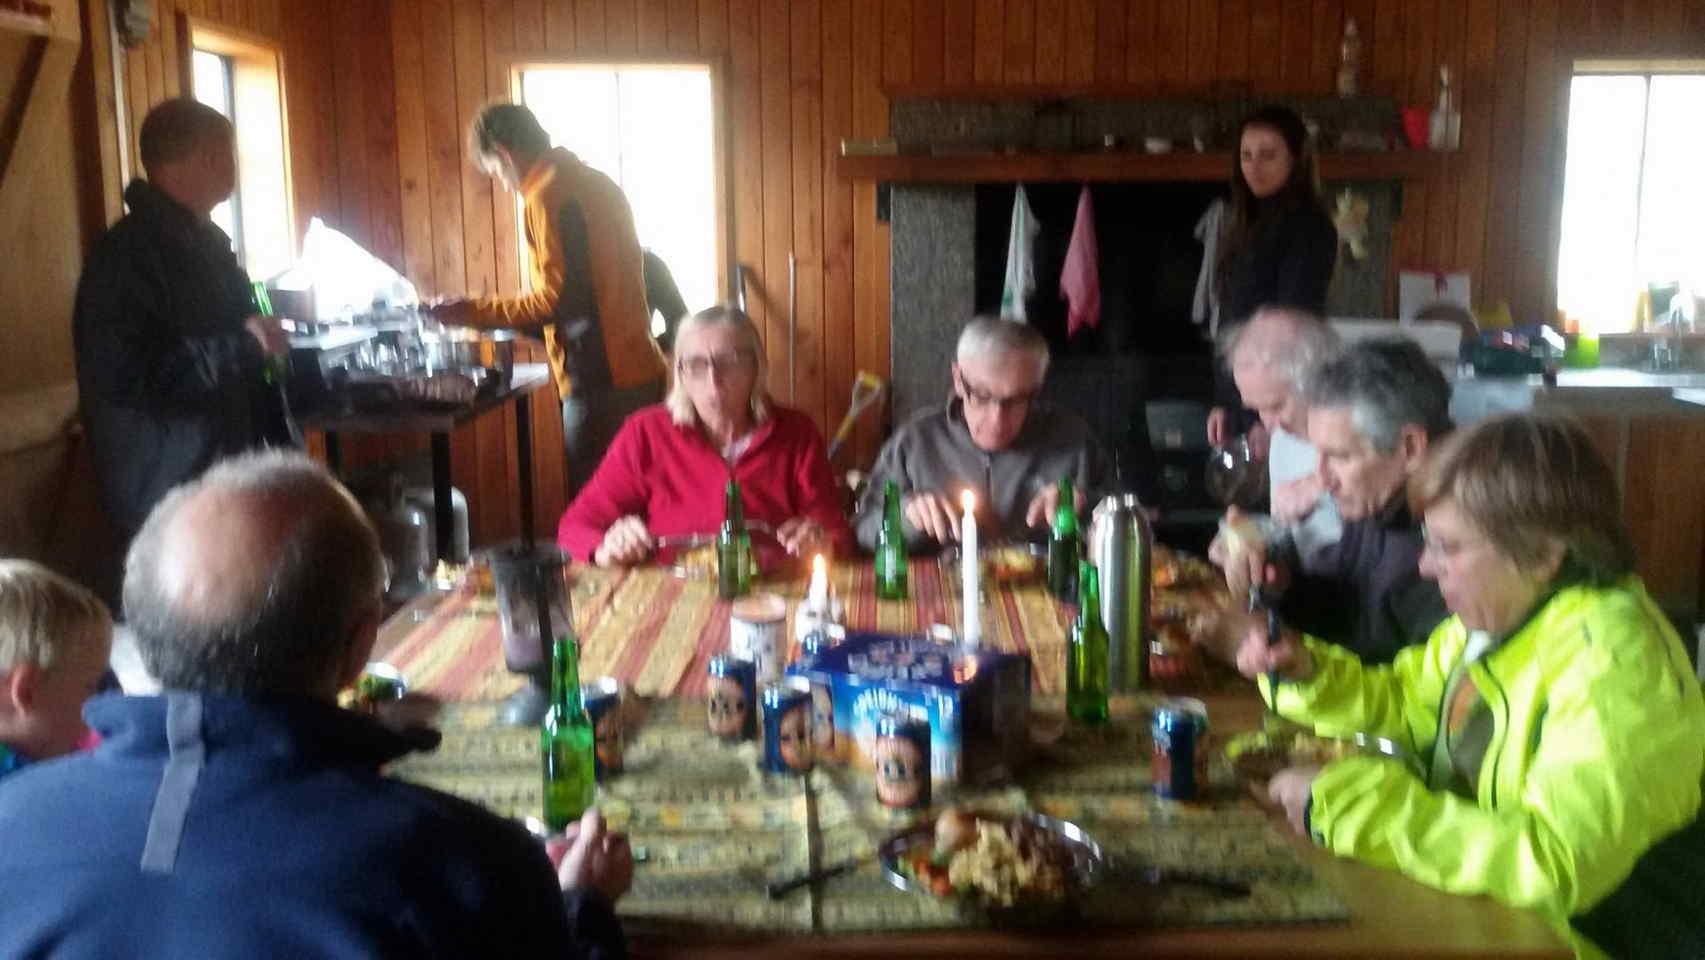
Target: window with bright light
column 1633, row 195
column 242, row 78
column 651, row 129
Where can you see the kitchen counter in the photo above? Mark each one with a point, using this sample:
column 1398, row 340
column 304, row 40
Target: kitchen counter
column 1596, row 390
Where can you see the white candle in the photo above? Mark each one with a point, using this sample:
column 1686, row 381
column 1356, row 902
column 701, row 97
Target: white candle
column 972, row 634
column 817, row 596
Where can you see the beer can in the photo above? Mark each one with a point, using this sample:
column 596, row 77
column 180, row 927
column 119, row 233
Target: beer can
column 755, row 633
column 902, row 760
column 823, row 720
column 602, row 699
column 731, row 698
column 1180, row 723
column 787, row 726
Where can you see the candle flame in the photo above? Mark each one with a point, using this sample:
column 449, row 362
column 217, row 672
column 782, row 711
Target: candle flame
column 819, row 565
column 968, row 500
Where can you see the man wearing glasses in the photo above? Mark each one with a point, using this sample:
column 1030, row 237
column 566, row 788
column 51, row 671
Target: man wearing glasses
column 993, row 438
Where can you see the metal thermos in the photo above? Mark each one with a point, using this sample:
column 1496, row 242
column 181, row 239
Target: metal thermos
column 1121, row 545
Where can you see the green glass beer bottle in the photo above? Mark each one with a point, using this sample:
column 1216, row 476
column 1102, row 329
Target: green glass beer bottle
column 891, row 547
column 566, row 741
column 733, row 547
column 1064, row 551
column 274, row 369
column 1086, row 655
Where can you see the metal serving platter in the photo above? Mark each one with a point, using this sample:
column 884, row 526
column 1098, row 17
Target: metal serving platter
column 1087, row 859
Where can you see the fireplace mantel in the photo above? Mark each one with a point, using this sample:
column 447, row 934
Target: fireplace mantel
column 1123, row 166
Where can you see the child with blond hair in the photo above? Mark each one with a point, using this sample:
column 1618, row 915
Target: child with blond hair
column 55, row 637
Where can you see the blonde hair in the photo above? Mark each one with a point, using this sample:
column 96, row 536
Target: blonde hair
column 680, row 403
column 1529, row 481
column 42, row 612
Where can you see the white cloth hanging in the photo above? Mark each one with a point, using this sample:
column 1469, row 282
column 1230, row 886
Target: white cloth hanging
column 1205, row 305
column 1020, row 259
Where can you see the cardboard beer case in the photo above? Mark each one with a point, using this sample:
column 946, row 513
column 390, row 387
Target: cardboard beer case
column 977, row 704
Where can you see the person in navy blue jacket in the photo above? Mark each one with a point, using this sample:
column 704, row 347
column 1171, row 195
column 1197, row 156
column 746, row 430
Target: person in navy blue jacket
column 241, row 813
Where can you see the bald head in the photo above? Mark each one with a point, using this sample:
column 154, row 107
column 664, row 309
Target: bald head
column 262, row 577
column 1270, row 359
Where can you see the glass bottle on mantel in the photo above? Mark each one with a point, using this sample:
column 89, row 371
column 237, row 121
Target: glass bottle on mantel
column 1445, row 129
column 733, row 547
column 1064, row 550
column 1086, row 653
column 891, row 547
column 566, row 741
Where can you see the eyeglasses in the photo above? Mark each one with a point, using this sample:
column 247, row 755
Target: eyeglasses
column 699, row 367
column 984, row 399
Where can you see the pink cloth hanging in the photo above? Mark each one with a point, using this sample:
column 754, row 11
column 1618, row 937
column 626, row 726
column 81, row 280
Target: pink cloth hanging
column 1080, row 278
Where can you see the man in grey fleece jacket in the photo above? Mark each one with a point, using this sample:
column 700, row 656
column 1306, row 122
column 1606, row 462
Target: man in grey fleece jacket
column 992, row 438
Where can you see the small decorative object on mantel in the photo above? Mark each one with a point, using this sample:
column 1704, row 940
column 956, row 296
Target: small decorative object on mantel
column 1350, row 216
column 1445, row 130
column 878, row 147
column 1350, row 60
column 135, row 20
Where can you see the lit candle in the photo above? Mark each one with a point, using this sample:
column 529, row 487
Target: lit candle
column 817, row 595
column 972, row 634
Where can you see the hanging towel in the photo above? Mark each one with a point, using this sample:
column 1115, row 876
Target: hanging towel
column 1080, row 278
column 1020, row 259
column 1205, row 305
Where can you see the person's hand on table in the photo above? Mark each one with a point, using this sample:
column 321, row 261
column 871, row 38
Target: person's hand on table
column 1295, row 500
column 934, row 514
column 1290, row 789
column 626, row 542
column 1040, row 513
column 802, row 535
column 410, row 712
column 589, row 855
column 268, row 333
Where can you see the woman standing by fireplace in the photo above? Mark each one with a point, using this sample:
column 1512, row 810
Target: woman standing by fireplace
column 1276, row 245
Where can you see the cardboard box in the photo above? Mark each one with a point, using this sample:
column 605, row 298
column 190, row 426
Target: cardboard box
column 978, row 705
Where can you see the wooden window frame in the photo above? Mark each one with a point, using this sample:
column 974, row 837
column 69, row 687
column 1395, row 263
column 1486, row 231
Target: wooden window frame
column 257, row 69
column 722, row 173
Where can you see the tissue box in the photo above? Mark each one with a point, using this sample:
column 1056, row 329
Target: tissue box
column 978, row 705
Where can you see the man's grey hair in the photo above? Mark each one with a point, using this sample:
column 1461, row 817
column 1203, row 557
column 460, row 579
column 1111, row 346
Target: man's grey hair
column 1285, row 341
column 283, row 609
column 987, row 336
column 1387, row 384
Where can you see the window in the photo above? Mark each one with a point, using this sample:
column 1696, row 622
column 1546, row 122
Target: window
column 242, row 78
column 1632, row 196
column 651, row 129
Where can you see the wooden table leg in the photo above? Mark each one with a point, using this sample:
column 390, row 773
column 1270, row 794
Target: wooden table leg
column 443, row 512
column 524, row 463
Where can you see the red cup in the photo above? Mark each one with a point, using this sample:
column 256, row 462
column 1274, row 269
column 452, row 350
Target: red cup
column 1417, row 126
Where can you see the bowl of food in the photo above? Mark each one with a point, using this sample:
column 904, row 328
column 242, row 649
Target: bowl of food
column 1257, row 756
column 1006, row 865
column 1003, row 562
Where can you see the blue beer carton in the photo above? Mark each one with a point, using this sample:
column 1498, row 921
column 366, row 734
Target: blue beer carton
column 977, row 704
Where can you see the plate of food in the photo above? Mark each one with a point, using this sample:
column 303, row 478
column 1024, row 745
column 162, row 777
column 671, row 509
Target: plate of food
column 1025, row 863
column 1258, row 755
column 1006, row 562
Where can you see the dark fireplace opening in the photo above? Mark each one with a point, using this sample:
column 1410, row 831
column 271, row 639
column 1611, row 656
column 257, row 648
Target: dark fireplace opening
column 1149, row 261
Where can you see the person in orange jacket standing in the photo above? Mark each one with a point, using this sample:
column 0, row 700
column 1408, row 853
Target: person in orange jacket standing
column 587, row 283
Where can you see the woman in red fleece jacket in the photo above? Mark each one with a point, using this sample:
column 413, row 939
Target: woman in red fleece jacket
column 665, row 472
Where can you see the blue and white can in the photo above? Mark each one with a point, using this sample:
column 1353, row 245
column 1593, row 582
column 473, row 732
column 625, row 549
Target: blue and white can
column 731, row 697
column 902, row 760
column 602, row 699
column 1180, row 724
column 787, row 726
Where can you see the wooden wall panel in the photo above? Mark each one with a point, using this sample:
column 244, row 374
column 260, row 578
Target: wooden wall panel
column 802, row 76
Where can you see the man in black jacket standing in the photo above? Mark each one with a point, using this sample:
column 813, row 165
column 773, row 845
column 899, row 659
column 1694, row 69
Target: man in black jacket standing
column 170, row 351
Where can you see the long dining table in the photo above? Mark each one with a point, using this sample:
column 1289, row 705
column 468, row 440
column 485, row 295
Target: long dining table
column 655, row 630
